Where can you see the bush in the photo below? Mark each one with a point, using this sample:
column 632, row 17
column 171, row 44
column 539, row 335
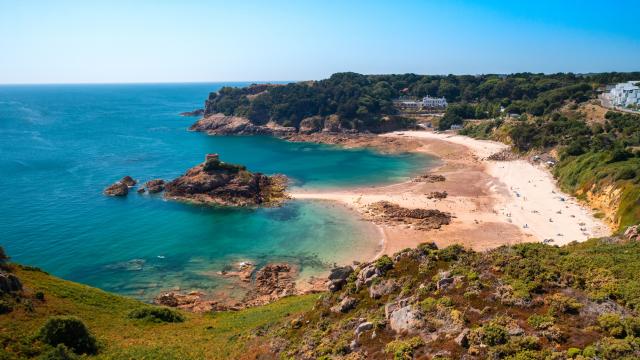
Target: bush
column 384, row 263
column 40, row 295
column 451, row 253
column 5, row 307
column 69, row 331
column 612, row 323
column 625, row 174
column 493, row 335
column 540, row 322
column 60, row 352
column 403, row 350
column 573, row 352
column 562, row 304
column 157, row 315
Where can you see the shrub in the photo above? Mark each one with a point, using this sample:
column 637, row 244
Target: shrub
column 493, row 335
column 573, row 352
column 615, row 348
column 428, row 305
column 5, row 307
column 157, row 315
column 403, row 349
column 60, row 352
column 40, row 295
column 612, row 323
column 69, row 331
column 632, row 326
column 625, row 174
column 384, row 263
column 562, row 304
column 540, row 322
column 450, row 253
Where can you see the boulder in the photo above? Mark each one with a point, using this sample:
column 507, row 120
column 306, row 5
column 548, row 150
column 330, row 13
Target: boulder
column 402, row 317
column 9, row 283
column 117, row 189
column 363, row 327
column 463, row 338
column 129, row 181
column 338, row 277
column 366, row 276
column 633, row 233
column 154, row 186
column 383, row 288
column 345, row 305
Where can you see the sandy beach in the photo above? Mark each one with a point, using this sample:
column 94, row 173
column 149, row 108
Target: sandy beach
column 493, row 203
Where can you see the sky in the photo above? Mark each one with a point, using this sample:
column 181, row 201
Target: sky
column 67, row 41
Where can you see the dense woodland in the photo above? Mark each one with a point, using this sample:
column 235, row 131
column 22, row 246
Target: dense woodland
column 362, row 101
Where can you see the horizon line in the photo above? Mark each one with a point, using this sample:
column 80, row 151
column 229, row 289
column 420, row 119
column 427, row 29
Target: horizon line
column 294, row 81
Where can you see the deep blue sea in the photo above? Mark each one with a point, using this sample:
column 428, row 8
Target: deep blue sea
column 60, row 145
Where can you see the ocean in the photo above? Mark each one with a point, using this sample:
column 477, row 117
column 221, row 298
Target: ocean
column 61, row 145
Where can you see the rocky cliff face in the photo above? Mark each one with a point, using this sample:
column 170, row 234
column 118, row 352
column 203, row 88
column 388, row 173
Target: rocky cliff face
column 220, row 183
column 220, row 124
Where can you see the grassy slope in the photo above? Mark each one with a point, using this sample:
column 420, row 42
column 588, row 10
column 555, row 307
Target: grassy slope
column 216, row 336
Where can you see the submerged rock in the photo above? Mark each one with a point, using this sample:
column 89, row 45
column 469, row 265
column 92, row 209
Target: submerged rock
column 220, row 183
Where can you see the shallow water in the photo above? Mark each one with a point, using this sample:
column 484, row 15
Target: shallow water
column 61, row 145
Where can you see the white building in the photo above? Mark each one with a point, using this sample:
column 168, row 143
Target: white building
column 625, row 94
column 430, row 103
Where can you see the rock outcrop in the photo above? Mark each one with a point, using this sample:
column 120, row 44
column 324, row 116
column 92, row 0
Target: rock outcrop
column 338, row 277
column 9, row 283
column 422, row 219
column 117, row 189
column 154, row 186
column 633, row 233
column 220, row 124
column 196, row 112
column 219, row 183
column 129, row 181
column 121, row 187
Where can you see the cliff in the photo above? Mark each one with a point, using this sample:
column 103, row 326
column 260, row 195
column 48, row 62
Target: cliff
column 219, row 183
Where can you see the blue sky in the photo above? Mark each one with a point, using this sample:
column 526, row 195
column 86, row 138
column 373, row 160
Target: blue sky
column 172, row 41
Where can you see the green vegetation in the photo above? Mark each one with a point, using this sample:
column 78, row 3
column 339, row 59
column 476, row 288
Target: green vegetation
column 533, row 301
column 70, row 332
column 125, row 328
column 157, row 315
column 365, row 102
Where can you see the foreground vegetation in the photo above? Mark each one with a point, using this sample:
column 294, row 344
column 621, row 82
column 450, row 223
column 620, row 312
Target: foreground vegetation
column 35, row 320
column 529, row 301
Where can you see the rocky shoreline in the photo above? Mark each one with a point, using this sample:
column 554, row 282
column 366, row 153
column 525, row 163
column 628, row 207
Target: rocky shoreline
column 262, row 286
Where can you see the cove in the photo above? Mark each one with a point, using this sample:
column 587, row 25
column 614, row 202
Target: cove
column 62, row 144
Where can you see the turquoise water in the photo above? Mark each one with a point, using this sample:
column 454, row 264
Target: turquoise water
column 61, row 145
